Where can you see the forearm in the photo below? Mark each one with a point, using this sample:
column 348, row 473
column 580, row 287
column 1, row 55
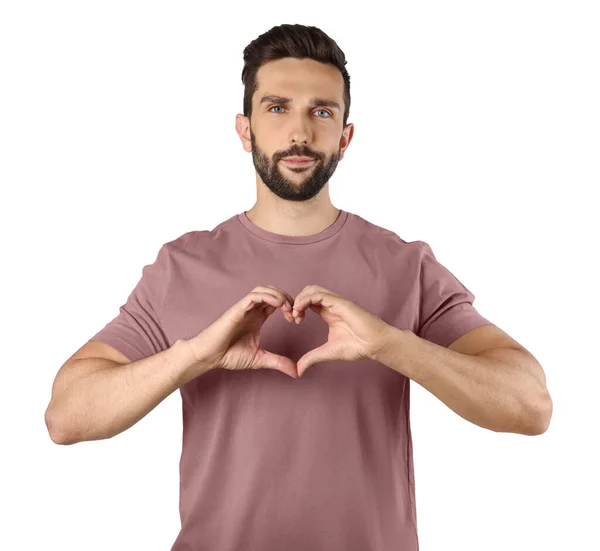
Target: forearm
column 492, row 393
column 110, row 400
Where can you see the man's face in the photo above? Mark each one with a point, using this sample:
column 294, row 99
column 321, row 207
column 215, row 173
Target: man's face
column 297, row 126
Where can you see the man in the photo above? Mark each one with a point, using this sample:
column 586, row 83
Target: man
column 296, row 429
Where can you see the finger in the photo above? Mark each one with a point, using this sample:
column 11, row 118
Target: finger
column 323, row 353
column 298, row 317
column 273, row 290
column 287, row 315
column 317, row 298
column 269, row 360
column 255, row 298
column 288, row 301
column 271, row 299
column 310, row 289
column 286, row 308
column 289, row 298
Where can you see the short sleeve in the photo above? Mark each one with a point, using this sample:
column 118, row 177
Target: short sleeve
column 446, row 309
column 136, row 331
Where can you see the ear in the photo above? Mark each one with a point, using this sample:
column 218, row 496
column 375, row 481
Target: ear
column 242, row 127
column 346, row 138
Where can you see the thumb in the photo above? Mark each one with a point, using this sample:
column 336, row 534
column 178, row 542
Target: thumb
column 323, row 353
column 269, row 360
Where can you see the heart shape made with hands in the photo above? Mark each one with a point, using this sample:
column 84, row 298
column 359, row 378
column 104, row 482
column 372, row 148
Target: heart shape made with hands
column 354, row 333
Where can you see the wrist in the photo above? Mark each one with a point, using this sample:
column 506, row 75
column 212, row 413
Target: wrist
column 389, row 349
column 194, row 357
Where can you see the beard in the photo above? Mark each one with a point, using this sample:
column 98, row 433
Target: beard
column 311, row 181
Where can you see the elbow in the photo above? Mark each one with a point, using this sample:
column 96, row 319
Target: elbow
column 55, row 436
column 55, row 430
column 52, row 429
column 538, row 416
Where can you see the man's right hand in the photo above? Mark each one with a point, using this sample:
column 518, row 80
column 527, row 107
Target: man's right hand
column 232, row 341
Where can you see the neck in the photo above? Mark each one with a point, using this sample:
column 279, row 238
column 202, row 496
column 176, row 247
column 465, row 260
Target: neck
column 292, row 217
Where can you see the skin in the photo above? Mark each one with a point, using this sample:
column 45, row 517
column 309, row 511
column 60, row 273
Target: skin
column 485, row 376
column 295, row 200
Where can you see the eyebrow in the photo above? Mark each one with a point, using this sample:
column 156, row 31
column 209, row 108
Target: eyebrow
column 313, row 102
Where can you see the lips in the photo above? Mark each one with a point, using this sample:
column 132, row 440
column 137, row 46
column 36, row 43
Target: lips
column 298, row 162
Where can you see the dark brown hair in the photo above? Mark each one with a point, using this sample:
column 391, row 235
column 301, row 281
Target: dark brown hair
column 298, row 41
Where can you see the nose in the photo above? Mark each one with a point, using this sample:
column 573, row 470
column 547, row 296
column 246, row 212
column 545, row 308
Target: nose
column 300, row 130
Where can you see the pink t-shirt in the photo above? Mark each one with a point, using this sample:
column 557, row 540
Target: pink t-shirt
column 270, row 462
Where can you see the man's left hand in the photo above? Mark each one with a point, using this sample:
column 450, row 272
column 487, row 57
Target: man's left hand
column 354, row 333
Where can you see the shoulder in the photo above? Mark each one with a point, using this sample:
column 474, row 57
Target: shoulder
column 382, row 238
column 199, row 241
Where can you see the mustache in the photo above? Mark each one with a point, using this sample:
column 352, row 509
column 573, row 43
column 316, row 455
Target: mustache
column 298, row 154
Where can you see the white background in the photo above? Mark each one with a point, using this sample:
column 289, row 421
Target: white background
column 476, row 130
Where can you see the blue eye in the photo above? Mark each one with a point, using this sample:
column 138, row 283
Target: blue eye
column 324, row 111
